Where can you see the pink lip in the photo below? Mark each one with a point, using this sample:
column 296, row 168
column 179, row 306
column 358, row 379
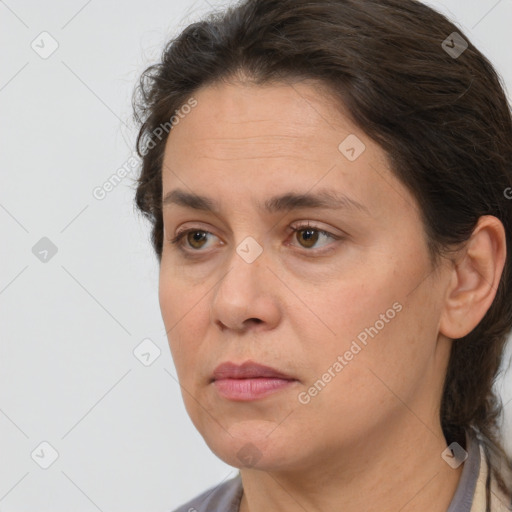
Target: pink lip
column 249, row 381
column 247, row 370
column 244, row 390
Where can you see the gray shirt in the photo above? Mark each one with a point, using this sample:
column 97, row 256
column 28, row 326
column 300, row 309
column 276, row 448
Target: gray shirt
column 226, row 496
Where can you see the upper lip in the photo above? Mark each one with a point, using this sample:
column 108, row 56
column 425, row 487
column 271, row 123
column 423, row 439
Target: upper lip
column 247, row 370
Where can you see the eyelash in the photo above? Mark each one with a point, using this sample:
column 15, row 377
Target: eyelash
column 177, row 240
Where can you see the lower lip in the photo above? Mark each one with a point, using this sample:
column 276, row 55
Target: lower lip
column 250, row 389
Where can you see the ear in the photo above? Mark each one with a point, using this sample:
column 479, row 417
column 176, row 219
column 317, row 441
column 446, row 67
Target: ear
column 475, row 276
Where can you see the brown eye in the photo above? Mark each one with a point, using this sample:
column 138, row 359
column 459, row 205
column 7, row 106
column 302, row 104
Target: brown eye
column 196, row 237
column 195, row 240
column 192, row 238
column 309, row 235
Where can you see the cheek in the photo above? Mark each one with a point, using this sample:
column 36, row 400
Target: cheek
column 368, row 377
column 389, row 352
column 185, row 315
column 178, row 294
column 373, row 318
column 356, row 303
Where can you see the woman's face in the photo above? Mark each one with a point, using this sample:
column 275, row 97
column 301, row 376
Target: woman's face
column 348, row 307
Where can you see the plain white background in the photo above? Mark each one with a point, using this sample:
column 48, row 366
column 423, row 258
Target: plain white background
column 69, row 325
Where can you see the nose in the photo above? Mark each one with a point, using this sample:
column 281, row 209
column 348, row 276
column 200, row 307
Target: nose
column 246, row 297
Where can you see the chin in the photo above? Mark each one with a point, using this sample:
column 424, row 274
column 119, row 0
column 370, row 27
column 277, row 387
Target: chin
column 253, row 444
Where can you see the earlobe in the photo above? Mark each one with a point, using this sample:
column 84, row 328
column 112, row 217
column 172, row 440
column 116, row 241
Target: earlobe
column 475, row 276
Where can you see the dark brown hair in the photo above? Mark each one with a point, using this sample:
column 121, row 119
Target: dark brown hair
column 443, row 120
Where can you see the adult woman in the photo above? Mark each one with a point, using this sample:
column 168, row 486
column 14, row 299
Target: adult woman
column 376, row 127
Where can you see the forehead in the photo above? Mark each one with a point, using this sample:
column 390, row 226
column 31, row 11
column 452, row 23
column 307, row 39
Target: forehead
column 259, row 119
column 260, row 140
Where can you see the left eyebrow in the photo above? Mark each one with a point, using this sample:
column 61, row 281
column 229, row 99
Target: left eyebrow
column 324, row 198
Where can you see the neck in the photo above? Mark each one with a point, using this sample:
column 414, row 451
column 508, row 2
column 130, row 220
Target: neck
column 403, row 470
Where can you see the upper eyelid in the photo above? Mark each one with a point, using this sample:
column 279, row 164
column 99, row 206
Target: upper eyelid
column 293, row 225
